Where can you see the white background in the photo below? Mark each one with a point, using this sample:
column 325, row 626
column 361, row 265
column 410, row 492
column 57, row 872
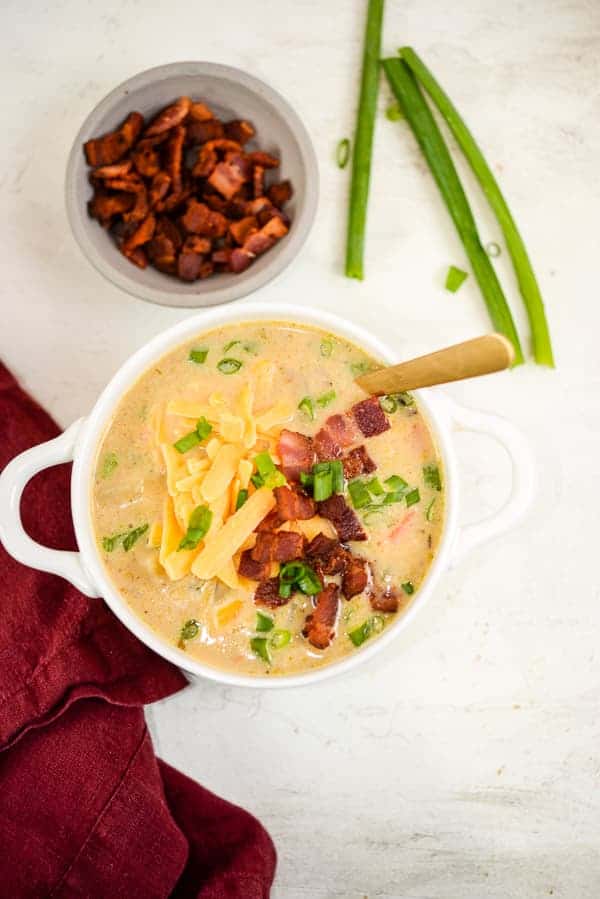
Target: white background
column 464, row 763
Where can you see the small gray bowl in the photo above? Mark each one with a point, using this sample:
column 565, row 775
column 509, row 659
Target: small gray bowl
column 232, row 94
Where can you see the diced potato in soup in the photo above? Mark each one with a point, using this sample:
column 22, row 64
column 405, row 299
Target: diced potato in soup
column 256, row 509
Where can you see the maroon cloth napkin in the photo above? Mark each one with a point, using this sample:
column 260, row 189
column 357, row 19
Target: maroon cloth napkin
column 86, row 808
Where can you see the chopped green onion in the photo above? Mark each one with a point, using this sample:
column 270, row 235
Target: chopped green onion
column 306, row 405
column 300, row 575
column 264, row 464
column 408, row 588
column 291, row 572
column 372, row 625
column 321, row 466
column 306, row 480
column 263, row 622
column 326, row 347
column 229, row 345
column 528, row 286
column 203, row 428
column 133, row 536
column 285, row 590
column 358, row 494
column 188, row 442
column 394, row 112
column 406, row 399
column 429, row 137
column 109, row 543
column 260, row 647
column 252, row 349
column 241, row 499
column 309, row 584
column 374, row 487
column 279, row 639
column 275, row 479
column 388, row 404
column 109, row 464
column 257, row 480
column 189, row 630
column 455, row 278
column 360, row 368
column 198, row 356
column 322, row 485
column 395, row 482
column 229, row 366
column 198, row 526
column 337, row 476
column 394, row 496
column 363, row 141
column 412, row 497
column 429, row 510
column 431, row 476
column 326, row 398
column 342, row 153
column 493, row 249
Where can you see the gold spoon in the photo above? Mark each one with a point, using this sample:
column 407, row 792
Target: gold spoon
column 480, row 356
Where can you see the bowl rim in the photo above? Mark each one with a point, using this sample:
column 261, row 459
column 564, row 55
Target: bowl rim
column 251, row 279
column 93, row 431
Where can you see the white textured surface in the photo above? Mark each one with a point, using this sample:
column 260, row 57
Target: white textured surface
column 465, row 763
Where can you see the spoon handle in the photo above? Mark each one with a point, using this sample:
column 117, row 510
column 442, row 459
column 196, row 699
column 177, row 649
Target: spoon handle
column 480, row 356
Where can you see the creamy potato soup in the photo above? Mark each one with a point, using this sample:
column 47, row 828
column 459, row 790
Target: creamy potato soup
column 257, row 509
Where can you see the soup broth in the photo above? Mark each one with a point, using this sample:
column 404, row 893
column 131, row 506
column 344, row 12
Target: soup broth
column 255, row 508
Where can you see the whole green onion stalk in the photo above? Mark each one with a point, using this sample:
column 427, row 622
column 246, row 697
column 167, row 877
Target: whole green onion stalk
column 363, row 141
column 428, row 135
column 528, row 286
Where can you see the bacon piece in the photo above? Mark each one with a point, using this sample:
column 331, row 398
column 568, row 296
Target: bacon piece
column 140, row 209
column 326, row 447
column 205, row 163
column 280, row 547
column 117, row 170
column 174, row 157
column 296, row 453
column 130, row 183
column 255, row 207
column 105, row 207
column 358, row 462
column 206, row 269
column 241, row 229
column 159, row 188
column 384, row 599
column 293, row 506
column 258, row 180
column 161, row 251
column 257, row 244
column 146, row 161
column 138, row 257
column 343, row 429
column 174, row 200
column 270, row 522
column 370, row 417
column 265, row 159
column 355, row 578
column 239, row 130
column 221, row 257
column 140, row 236
column 227, row 178
column 342, row 517
column 189, row 265
column 113, row 146
column 267, row 594
column 281, row 193
column 199, row 219
column 319, row 627
column 200, row 132
column 200, row 112
column 250, row 568
column 329, row 555
column 170, row 117
column 195, row 244
column 167, row 227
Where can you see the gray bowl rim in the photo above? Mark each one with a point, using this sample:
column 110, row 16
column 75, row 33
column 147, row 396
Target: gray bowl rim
column 250, row 280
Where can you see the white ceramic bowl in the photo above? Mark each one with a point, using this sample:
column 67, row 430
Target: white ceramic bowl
column 79, row 443
column 232, row 94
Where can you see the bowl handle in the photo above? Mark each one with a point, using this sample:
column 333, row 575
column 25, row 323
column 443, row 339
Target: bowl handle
column 16, row 541
column 523, row 477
